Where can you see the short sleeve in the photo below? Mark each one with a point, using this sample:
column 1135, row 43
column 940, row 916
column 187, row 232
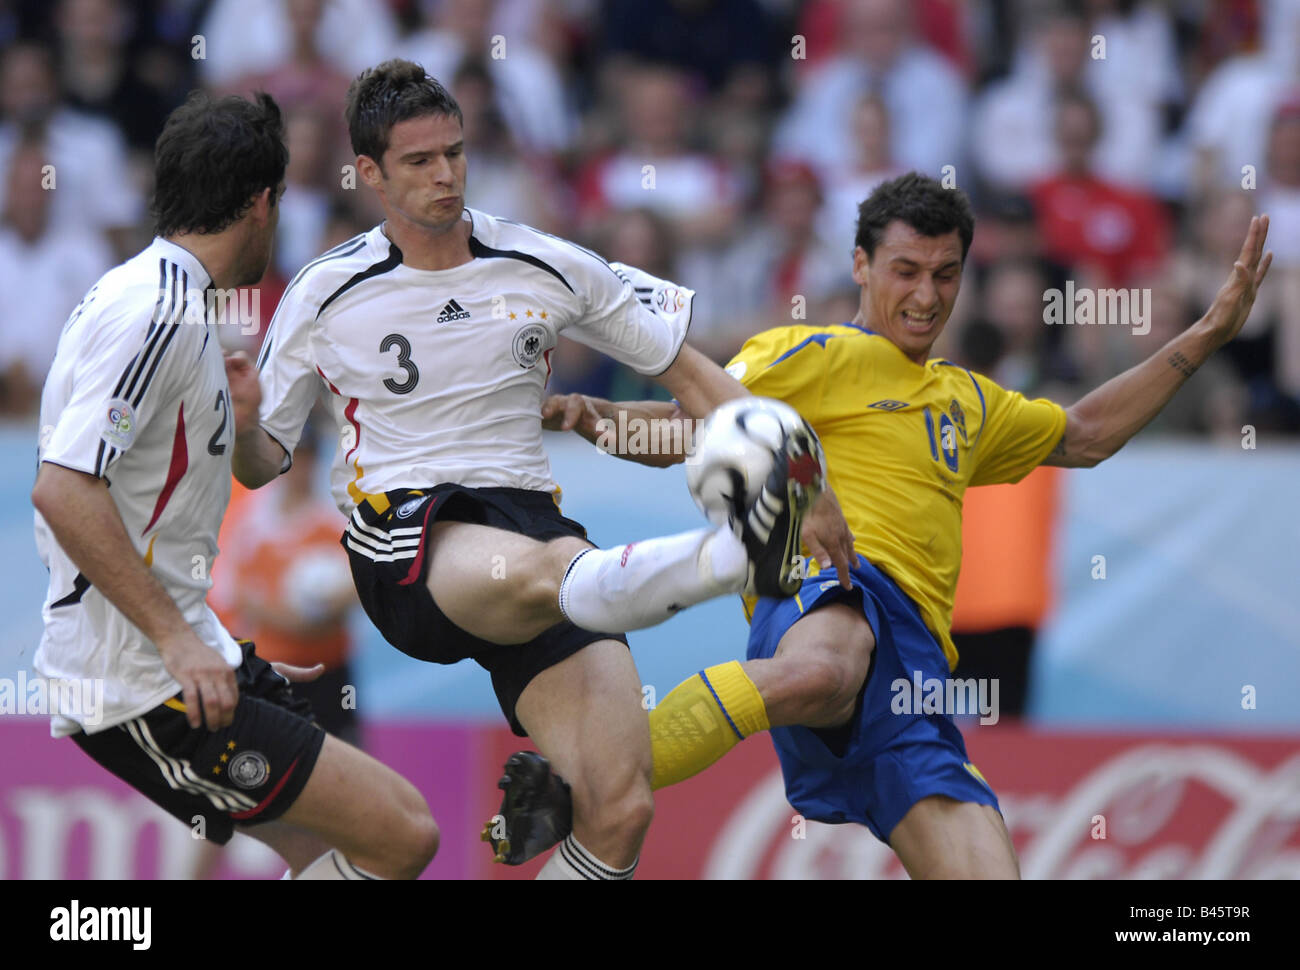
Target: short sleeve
column 123, row 369
column 785, row 365
column 290, row 383
column 1017, row 434
column 631, row 316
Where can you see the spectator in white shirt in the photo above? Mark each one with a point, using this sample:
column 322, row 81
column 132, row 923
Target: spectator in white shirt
column 93, row 189
column 878, row 54
column 45, row 270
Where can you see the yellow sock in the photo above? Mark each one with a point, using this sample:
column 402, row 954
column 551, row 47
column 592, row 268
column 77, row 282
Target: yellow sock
column 701, row 720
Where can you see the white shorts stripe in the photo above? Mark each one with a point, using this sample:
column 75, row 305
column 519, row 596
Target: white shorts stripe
column 369, row 553
column 180, row 775
column 383, row 545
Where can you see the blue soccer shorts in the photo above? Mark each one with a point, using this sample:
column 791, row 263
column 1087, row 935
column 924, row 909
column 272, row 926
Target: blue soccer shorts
column 884, row 761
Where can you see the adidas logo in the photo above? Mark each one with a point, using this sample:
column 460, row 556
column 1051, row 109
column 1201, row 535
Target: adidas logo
column 453, row 311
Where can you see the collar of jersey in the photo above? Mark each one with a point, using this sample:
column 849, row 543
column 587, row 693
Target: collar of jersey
column 199, row 278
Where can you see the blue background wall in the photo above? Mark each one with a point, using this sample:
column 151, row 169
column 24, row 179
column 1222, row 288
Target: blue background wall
column 1201, row 595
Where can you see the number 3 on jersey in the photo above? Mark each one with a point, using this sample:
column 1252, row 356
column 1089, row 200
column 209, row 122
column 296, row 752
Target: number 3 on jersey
column 403, row 361
column 946, row 440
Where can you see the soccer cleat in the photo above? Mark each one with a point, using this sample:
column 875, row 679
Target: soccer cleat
column 770, row 525
column 536, row 812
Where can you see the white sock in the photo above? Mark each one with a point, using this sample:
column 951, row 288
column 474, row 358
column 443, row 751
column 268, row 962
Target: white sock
column 644, row 583
column 334, row 865
column 571, row 861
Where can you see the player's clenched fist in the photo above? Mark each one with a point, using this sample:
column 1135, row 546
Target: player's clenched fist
column 245, row 392
column 208, row 687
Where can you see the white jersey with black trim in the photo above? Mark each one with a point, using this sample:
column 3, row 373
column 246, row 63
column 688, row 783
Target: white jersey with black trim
column 138, row 396
column 438, row 375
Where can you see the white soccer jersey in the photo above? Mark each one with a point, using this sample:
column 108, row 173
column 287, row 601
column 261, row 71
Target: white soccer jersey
column 138, row 396
column 438, row 375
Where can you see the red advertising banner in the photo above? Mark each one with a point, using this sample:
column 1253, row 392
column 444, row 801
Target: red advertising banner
column 1079, row 806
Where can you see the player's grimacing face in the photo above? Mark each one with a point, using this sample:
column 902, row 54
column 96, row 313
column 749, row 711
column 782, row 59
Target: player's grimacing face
column 909, row 286
column 423, row 179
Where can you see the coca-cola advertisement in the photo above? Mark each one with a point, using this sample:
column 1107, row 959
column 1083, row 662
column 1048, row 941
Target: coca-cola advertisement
column 1078, row 806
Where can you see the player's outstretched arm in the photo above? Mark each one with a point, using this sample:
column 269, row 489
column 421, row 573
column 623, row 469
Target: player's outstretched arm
column 1099, row 424
column 257, row 457
column 698, row 384
column 600, row 421
column 85, row 521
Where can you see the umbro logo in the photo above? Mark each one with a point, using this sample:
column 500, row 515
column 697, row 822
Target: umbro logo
column 453, row 311
column 888, row 405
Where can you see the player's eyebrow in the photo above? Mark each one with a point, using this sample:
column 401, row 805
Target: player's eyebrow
column 904, row 262
column 422, row 152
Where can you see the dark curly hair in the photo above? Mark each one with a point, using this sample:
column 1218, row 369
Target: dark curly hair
column 382, row 96
column 922, row 203
column 213, row 158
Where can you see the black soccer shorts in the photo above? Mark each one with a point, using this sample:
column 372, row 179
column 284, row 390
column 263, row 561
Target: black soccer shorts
column 386, row 542
column 245, row 774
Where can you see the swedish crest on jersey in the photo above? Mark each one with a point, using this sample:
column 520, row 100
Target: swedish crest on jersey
column 958, row 417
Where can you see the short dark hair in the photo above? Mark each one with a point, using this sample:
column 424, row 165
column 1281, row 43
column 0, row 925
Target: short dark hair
column 922, row 203
column 391, row 92
column 213, row 158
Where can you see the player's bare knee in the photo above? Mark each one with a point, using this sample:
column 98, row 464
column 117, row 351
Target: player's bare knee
column 827, row 688
column 623, row 821
column 544, row 568
column 621, row 817
column 413, row 836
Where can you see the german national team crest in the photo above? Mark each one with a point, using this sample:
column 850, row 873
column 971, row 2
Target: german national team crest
column 249, row 769
column 528, row 345
column 958, row 417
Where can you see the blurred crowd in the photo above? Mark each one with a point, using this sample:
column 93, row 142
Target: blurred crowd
column 724, row 144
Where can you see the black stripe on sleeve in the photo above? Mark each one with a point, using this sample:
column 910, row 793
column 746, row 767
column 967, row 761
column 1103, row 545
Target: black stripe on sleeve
column 389, row 262
column 483, row 251
column 338, row 252
column 171, row 327
column 155, row 332
column 153, row 322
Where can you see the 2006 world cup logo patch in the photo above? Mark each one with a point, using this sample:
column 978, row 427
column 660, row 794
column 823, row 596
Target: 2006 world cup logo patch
column 119, row 424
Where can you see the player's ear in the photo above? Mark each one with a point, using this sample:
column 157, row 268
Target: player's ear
column 260, row 210
column 370, row 171
column 861, row 265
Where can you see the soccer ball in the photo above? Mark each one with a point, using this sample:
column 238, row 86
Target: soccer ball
column 737, row 448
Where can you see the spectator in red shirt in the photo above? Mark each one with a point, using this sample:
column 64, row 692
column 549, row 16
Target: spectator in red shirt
column 1103, row 231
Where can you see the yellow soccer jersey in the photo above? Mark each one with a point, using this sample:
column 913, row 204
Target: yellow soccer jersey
column 903, row 442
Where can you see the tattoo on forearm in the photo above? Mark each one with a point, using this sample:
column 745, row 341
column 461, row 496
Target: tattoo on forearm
column 1059, row 450
column 1181, row 364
